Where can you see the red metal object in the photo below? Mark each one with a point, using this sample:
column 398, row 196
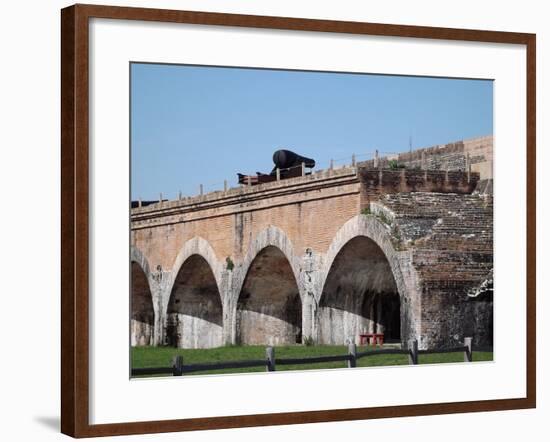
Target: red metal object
column 372, row 339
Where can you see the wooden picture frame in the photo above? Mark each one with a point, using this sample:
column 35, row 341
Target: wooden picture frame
column 75, row 218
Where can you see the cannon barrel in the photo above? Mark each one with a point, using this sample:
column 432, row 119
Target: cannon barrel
column 284, row 159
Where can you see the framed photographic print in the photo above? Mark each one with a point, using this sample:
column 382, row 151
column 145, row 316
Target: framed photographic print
column 272, row 220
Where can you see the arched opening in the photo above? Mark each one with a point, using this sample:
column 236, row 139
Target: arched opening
column 194, row 316
column 359, row 296
column 269, row 310
column 478, row 320
column 143, row 315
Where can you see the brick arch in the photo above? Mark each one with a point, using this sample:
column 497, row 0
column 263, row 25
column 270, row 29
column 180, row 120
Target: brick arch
column 194, row 298
column 137, row 256
column 362, row 284
column 373, row 229
column 143, row 309
column 273, row 244
column 196, row 246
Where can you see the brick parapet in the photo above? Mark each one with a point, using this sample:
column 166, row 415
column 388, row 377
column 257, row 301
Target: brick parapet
column 323, row 178
column 455, row 156
column 368, row 184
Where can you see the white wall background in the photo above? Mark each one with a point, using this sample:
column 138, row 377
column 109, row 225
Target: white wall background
column 29, row 216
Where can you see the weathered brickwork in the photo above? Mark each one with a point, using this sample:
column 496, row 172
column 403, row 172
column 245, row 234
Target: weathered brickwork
column 229, row 223
column 326, row 257
column 451, row 242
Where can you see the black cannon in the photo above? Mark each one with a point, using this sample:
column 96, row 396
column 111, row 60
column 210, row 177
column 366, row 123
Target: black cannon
column 285, row 159
column 289, row 164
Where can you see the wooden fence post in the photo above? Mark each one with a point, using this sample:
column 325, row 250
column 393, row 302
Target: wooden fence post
column 352, row 361
column 413, row 352
column 468, row 350
column 270, row 354
column 177, row 365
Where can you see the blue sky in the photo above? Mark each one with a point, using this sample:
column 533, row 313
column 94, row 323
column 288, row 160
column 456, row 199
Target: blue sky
column 200, row 125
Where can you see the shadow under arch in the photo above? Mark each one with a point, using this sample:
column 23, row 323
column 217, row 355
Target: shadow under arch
column 196, row 246
column 268, row 310
column 194, row 316
column 271, row 236
column 142, row 322
column 362, row 285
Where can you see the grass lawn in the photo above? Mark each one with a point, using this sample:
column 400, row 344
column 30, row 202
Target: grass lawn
column 145, row 357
